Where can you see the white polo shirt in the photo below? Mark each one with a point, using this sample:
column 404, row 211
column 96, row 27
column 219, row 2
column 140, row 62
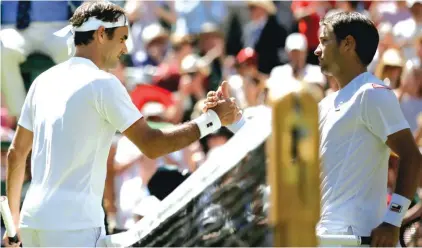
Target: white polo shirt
column 354, row 125
column 74, row 110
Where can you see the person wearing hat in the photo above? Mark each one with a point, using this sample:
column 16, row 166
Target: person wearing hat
column 390, row 67
column 265, row 35
column 211, row 49
column 156, row 40
column 297, row 70
column 248, row 85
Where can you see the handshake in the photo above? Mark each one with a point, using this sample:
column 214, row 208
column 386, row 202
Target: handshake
column 223, row 105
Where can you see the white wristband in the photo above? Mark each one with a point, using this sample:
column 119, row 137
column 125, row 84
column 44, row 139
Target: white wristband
column 396, row 210
column 208, row 122
column 236, row 126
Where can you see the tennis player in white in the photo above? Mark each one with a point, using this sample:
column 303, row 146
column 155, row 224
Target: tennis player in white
column 359, row 124
column 69, row 118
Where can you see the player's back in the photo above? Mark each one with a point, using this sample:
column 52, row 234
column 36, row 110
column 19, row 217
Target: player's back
column 71, row 144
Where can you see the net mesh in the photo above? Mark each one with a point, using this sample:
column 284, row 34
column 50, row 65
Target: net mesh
column 224, row 203
column 230, row 212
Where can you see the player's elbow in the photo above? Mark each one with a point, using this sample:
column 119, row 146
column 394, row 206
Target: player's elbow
column 151, row 149
column 15, row 157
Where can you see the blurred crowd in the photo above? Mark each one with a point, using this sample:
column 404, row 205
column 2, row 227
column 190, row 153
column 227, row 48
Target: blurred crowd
column 179, row 50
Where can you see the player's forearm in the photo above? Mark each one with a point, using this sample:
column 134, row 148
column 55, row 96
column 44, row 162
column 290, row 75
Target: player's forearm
column 165, row 141
column 16, row 164
column 408, row 175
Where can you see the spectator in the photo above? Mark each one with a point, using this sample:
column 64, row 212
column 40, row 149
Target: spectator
column 191, row 15
column 168, row 74
column 417, row 60
column 155, row 39
column 390, row 68
column 27, row 27
column 144, row 13
column 410, row 95
column 211, row 48
column 406, row 31
column 297, row 70
column 260, row 32
column 248, row 84
column 389, row 11
column 349, row 6
column 193, row 82
column 308, row 15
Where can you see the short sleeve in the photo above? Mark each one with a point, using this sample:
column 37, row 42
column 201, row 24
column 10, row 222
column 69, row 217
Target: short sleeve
column 114, row 103
column 381, row 112
column 26, row 118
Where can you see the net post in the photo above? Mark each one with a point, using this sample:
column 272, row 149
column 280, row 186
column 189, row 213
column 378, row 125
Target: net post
column 293, row 168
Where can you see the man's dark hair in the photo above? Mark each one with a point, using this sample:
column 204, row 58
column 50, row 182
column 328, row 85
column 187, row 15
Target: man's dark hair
column 102, row 10
column 360, row 27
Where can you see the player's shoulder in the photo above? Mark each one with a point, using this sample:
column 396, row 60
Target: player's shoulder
column 102, row 79
column 376, row 91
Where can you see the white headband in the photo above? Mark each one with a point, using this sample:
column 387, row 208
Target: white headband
column 91, row 24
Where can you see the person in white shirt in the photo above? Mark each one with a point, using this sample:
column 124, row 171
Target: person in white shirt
column 358, row 125
column 69, row 118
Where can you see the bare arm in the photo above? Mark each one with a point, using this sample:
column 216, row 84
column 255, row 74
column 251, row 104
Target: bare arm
column 155, row 143
column 16, row 163
column 403, row 144
column 109, row 194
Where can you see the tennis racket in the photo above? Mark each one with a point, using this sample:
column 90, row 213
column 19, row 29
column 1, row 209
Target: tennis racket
column 343, row 240
column 8, row 221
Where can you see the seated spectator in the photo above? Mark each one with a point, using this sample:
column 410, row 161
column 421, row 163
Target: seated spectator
column 308, row 14
column 168, row 72
column 407, row 31
column 390, row 68
column 349, row 6
column 297, row 70
column 259, row 34
column 155, row 39
column 28, row 27
column 191, row 15
column 410, row 95
column 248, row 85
column 417, row 60
column 211, row 49
column 389, row 11
column 193, row 83
column 144, row 13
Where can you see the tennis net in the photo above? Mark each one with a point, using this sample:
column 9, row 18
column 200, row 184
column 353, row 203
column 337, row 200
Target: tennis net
column 224, row 203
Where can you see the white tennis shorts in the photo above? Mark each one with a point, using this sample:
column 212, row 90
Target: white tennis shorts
column 61, row 238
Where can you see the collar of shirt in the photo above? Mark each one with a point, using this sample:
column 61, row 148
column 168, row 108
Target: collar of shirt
column 85, row 61
column 358, row 80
